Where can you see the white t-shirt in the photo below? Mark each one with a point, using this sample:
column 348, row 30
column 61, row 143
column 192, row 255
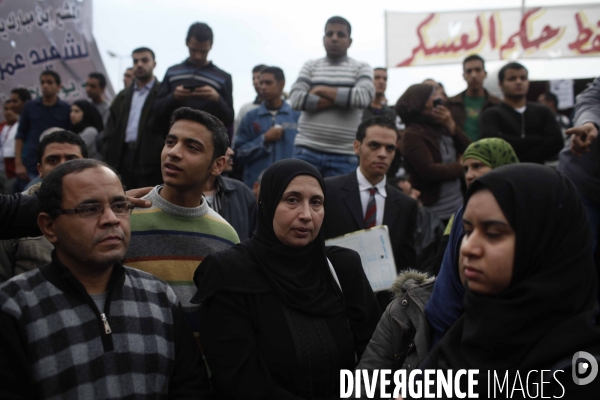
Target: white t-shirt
column 7, row 140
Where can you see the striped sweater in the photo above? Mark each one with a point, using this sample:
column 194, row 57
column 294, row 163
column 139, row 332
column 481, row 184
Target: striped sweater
column 332, row 130
column 169, row 242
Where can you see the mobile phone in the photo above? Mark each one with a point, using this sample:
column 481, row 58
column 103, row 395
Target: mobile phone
column 437, row 102
column 192, row 86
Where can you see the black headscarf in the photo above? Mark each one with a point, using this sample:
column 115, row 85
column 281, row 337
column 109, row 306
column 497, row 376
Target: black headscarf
column 91, row 117
column 546, row 312
column 300, row 276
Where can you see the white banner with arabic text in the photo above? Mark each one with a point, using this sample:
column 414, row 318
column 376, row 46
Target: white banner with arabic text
column 509, row 34
column 53, row 34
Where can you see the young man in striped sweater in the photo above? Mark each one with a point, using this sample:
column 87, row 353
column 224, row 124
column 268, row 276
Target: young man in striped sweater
column 172, row 237
column 332, row 93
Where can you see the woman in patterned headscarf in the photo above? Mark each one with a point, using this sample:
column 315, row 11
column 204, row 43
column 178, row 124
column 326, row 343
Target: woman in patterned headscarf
column 485, row 155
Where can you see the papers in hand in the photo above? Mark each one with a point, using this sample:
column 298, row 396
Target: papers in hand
column 375, row 249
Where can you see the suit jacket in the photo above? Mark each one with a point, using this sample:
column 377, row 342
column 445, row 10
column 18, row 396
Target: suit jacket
column 343, row 214
column 150, row 141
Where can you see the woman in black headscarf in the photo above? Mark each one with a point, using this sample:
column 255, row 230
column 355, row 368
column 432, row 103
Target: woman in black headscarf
column 530, row 301
column 86, row 121
column 276, row 321
column 432, row 145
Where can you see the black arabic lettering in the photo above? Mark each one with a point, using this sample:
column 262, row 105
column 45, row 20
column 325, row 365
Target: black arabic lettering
column 34, row 56
column 10, row 68
column 42, row 17
column 12, row 22
column 73, row 50
column 26, row 18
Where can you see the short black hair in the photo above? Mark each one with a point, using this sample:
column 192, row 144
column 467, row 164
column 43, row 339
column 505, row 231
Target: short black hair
column 276, row 71
column 385, row 122
column 510, row 65
column 199, row 31
column 258, row 68
column 61, row 136
column 380, row 69
column 339, row 20
column 141, row 50
column 100, row 77
column 551, row 97
column 220, row 138
column 474, row 57
column 22, row 93
column 52, row 74
column 51, row 191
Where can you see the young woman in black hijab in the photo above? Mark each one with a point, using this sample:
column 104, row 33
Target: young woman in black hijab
column 530, row 302
column 86, row 121
column 274, row 322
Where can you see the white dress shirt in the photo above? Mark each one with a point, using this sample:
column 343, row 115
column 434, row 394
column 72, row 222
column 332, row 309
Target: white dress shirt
column 135, row 112
column 363, row 186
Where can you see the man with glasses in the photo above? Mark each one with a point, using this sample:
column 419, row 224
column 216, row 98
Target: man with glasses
column 84, row 325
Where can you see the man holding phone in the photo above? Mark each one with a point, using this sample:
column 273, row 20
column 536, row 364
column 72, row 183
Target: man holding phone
column 196, row 83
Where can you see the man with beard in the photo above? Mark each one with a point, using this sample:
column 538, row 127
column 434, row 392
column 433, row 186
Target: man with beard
column 132, row 144
column 529, row 127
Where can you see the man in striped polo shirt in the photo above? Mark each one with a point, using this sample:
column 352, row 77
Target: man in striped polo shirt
column 172, row 237
column 332, row 93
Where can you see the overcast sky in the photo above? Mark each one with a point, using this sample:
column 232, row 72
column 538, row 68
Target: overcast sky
column 286, row 34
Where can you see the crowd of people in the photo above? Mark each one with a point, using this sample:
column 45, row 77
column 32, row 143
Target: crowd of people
column 160, row 246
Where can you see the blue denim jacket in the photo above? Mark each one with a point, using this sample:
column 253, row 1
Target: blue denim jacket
column 249, row 144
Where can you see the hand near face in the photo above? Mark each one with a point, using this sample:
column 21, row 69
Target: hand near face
column 443, row 116
column 207, row 93
column 582, row 138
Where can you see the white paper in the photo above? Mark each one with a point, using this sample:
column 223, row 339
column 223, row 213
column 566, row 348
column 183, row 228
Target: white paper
column 375, row 249
column 563, row 89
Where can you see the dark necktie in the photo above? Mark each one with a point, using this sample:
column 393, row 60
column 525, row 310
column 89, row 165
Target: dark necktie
column 371, row 214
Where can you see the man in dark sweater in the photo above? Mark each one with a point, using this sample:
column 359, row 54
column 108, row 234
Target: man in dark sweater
column 466, row 107
column 38, row 115
column 196, row 83
column 529, row 127
column 85, row 326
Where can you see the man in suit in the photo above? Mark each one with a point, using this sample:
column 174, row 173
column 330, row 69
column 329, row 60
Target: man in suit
column 132, row 145
column 362, row 199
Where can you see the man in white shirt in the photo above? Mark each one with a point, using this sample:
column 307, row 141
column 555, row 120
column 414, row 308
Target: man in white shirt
column 362, row 199
column 7, row 148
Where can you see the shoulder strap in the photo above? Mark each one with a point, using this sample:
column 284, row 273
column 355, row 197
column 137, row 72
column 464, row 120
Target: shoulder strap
column 334, row 274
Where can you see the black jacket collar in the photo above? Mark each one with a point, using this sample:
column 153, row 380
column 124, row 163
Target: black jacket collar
column 60, row 276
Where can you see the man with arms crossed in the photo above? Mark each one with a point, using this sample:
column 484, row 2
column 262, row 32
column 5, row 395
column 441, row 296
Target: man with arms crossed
column 332, row 93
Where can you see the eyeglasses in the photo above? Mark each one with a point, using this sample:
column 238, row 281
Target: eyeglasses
column 120, row 209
